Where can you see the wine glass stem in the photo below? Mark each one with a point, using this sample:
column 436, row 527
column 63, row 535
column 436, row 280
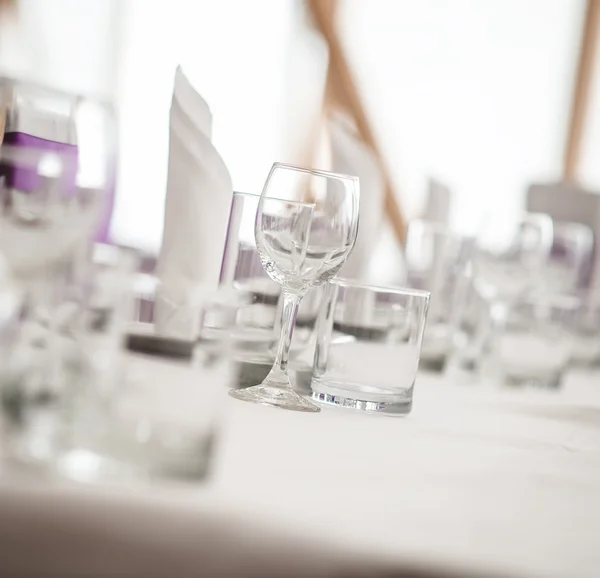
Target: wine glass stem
column 291, row 301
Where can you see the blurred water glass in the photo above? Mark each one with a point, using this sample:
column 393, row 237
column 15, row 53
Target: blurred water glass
column 368, row 347
column 531, row 343
column 58, row 167
column 60, row 372
column 241, row 268
column 510, row 257
column 472, row 331
column 437, row 260
column 162, row 419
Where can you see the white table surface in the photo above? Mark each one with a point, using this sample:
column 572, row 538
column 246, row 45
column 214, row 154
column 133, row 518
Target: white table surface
column 476, row 477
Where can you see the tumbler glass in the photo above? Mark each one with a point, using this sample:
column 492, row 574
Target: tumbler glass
column 161, row 420
column 368, row 347
column 531, row 343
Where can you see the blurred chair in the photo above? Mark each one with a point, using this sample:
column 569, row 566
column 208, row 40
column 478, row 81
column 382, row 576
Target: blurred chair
column 568, row 202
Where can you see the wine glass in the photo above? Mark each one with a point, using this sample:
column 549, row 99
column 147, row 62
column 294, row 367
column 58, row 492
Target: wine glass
column 306, row 226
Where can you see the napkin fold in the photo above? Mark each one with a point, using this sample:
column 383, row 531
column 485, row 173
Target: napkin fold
column 438, row 202
column 350, row 156
column 198, row 199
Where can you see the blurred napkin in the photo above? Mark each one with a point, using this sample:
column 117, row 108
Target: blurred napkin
column 351, row 156
column 439, row 202
column 199, row 194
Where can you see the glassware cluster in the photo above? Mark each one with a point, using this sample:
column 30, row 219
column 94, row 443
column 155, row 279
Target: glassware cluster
column 89, row 390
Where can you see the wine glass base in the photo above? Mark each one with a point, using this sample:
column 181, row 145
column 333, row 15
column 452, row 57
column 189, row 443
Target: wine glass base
column 275, row 397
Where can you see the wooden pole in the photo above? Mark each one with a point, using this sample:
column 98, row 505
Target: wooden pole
column 582, row 91
column 341, row 92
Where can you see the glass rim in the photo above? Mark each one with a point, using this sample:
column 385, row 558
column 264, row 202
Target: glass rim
column 263, row 199
column 247, row 194
column 33, row 156
column 26, row 82
column 259, row 196
column 442, row 228
column 316, row 172
column 350, row 284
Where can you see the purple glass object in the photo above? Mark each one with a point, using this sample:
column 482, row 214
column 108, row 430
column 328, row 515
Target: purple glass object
column 26, row 179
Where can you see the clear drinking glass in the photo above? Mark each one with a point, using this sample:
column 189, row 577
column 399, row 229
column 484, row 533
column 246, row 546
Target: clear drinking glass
column 241, row 269
column 472, row 331
column 531, row 343
column 160, row 420
column 56, row 180
column 306, row 227
column 510, row 257
column 436, row 261
column 368, row 347
column 259, row 325
column 58, row 376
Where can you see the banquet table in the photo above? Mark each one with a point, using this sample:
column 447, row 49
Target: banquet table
column 477, row 478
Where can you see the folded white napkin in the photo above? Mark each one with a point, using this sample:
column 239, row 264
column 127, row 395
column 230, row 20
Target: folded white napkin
column 199, row 193
column 350, row 156
column 438, row 203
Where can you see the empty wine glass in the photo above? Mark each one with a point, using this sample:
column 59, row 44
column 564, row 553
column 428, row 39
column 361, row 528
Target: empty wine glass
column 306, row 226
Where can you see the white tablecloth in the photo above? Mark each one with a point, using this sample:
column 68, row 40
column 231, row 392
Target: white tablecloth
column 488, row 479
column 476, row 478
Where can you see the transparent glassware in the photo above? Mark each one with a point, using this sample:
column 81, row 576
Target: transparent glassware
column 57, row 175
column 510, row 257
column 306, row 227
column 242, row 270
column 368, row 347
column 437, row 260
column 60, row 376
column 80, row 129
column 531, row 343
column 259, row 325
column 160, row 421
column 472, row 331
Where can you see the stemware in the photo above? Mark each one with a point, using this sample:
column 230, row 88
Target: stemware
column 306, row 226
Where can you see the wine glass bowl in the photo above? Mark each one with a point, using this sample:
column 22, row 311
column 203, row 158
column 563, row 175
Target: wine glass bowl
column 305, row 229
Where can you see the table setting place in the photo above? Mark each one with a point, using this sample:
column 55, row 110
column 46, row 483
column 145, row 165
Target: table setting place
column 255, row 393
